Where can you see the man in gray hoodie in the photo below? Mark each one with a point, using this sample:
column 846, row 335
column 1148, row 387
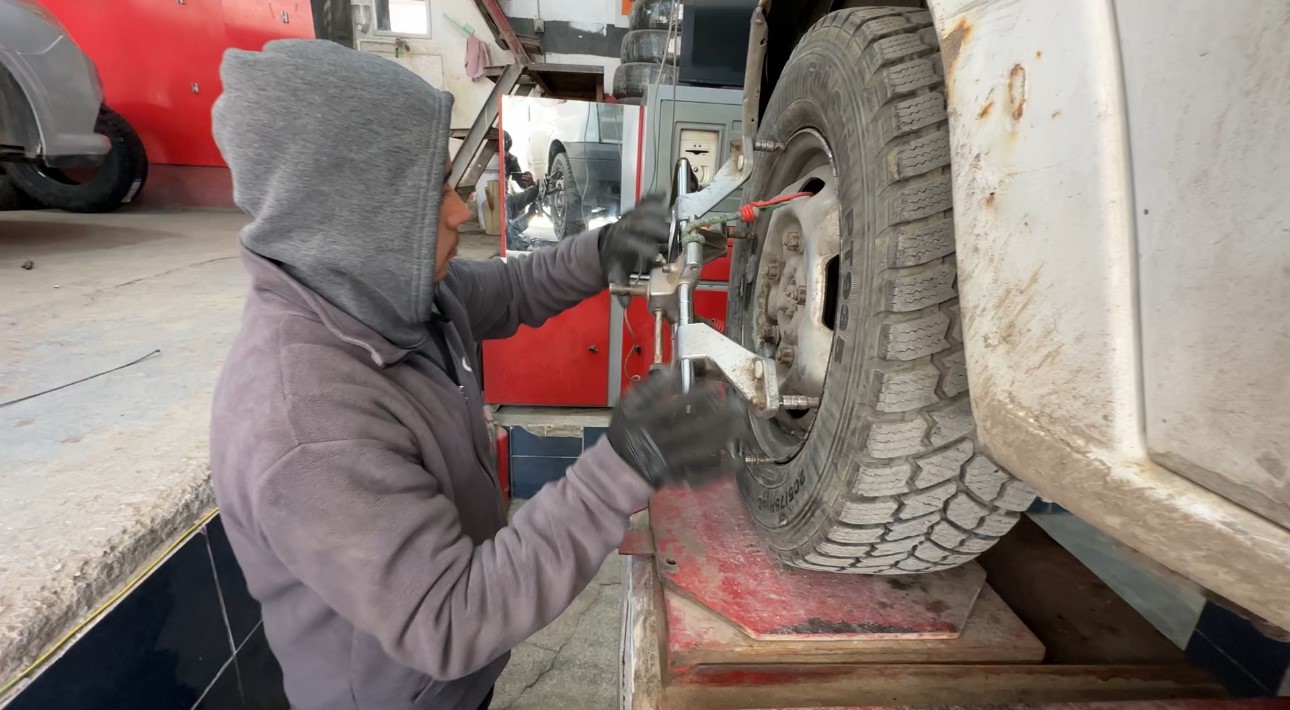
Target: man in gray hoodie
column 349, row 452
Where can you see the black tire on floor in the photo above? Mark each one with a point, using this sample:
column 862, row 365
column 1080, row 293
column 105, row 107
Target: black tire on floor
column 567, row 217
column 648, row 46
column 630, row 79
column 888, row 479
column 114, row 183
column 652, row 14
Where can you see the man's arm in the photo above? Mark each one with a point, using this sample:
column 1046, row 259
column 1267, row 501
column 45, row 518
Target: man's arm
column 371, row 533
column 499, row 296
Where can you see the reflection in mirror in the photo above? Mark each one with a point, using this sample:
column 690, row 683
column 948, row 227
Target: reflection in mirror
column 404, row 17
column 563, row 168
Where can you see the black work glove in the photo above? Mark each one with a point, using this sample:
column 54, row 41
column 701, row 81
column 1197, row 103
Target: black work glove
column 630, row 245
column 669, row 437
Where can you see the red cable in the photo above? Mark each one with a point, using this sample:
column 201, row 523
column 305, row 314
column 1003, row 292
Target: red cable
column 781, row 199
column 748, row 212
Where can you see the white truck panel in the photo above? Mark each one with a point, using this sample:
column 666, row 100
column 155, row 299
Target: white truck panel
column 1208, row 94
column 1048, row 257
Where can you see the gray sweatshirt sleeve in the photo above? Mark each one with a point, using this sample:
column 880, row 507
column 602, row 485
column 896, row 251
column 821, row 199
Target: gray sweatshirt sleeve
column 369, row 532
column 500, row 295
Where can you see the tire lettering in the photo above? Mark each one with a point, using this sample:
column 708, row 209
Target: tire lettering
column 778, row 499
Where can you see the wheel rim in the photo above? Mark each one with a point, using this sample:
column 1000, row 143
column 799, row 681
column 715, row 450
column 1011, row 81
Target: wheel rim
column 794, row 300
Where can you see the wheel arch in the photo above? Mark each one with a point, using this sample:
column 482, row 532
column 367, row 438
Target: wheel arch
column 789, row 21
column 557, row 147
column 19, row 125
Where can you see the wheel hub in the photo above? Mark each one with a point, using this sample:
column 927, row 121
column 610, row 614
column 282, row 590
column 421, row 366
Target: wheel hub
column 796, row 291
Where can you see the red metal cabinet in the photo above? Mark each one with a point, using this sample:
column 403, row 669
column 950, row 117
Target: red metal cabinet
column 563, row 363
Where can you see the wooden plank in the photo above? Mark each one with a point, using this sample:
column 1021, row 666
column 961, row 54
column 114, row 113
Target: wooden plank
column 993, row 634
column 642, row 668
column 907, row 685
column 1076, row 615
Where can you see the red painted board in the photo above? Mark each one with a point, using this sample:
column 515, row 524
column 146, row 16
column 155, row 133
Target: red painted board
column 707, row 549
column 159, row 61
column 563, row 363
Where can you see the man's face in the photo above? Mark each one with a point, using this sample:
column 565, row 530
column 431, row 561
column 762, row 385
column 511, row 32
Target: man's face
column 453, row 213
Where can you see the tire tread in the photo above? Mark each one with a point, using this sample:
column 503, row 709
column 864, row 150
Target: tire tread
column 922, row 498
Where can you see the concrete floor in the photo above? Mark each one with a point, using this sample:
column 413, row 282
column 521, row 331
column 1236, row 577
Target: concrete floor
column 95, row 477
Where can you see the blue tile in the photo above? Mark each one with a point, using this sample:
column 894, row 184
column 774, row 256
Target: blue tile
column 1234, row 678
column 530, row 473
column 1039, row 505
column 243, row 610
column 525, row 443
column 591, row 435
column 1260, row 657
column 261, row 675
column 160, row 647
column 225, row 693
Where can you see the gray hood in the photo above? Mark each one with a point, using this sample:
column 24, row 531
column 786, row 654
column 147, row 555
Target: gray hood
column 338, row 156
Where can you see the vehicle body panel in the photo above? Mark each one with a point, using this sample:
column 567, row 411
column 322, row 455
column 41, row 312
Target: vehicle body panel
column 59, row 84
column 1044, row 174
column 1208, row 94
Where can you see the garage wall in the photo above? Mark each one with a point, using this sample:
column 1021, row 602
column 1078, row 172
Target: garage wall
column 440, row 59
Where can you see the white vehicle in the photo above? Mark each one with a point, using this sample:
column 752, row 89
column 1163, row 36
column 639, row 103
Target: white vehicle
column 1047, row 249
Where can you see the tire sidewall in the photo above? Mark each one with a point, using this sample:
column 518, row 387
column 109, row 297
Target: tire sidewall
column 816, row 91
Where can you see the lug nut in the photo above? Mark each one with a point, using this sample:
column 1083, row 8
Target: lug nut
column 793, row 241
column 767, row 332
column 784, row 356
column 772, row 270
column 799, row 295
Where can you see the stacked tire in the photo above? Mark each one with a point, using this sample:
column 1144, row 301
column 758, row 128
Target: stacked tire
column 650, row 49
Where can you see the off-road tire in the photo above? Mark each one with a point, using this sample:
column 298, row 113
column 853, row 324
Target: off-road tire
column 632, row 78
column 570, row 220
column 889, row 479
column 647, row 46
column 117, row 181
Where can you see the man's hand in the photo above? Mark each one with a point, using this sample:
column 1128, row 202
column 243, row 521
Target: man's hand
column 669, row 437
column 525, row 179
column 630, row 245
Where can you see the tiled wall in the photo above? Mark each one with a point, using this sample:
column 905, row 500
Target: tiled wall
column 538, row 460
column 1243, row 659
column 189, row 636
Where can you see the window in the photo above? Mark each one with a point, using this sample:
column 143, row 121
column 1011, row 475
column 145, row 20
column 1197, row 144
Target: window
column 403, row 17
